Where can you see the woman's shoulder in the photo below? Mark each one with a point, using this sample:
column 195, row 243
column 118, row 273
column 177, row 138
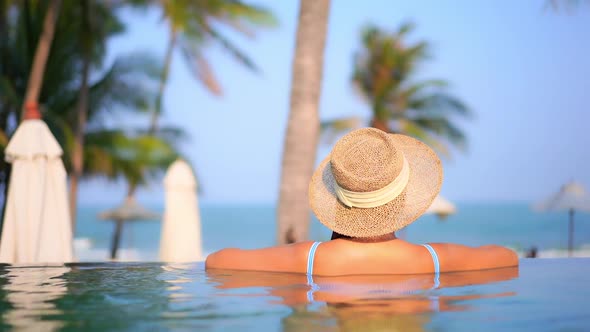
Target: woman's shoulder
column 284, row 258
column 458, row 257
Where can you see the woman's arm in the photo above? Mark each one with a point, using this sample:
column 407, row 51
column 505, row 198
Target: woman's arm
column 456, row 257
column 288, row 258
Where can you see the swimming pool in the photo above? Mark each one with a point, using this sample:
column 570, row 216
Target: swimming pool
column 542, row 295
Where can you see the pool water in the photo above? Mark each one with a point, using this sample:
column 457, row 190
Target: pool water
column 540, row 295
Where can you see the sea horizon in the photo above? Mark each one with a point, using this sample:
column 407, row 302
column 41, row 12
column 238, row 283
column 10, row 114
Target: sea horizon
column 159, row 204
column 253, row 225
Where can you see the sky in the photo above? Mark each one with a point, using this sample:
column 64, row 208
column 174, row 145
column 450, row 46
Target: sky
column 522, row 68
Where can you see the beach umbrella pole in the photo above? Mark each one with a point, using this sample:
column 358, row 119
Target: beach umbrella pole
column 116, row 238
column 571, row 233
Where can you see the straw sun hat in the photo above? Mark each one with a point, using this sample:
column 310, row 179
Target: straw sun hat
column 374, row 183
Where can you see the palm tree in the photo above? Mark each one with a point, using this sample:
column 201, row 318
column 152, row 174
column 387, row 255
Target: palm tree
column 128, row 85
column 135, row 156
column 384, row 75
column 115, row 152
column 41, row 54
column 34, row 80
column 192, row 25
column 94, row 31
column 303, row 124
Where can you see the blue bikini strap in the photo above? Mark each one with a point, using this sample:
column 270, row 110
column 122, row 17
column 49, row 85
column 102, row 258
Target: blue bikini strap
column 310, row 258
column 436, row 264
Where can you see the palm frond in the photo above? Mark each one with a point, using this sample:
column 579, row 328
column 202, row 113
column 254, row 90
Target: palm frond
column 115, row 154
column 439, row 103
column 234, row 51
column 169, row 134
column 444, row 129
column 384, row 74
column 129, row 84
column 405, row 29
column 412, row 129
column 201, row 22
column 201, row 68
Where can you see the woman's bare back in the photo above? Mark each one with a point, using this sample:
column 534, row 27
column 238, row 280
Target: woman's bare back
column 348, row 257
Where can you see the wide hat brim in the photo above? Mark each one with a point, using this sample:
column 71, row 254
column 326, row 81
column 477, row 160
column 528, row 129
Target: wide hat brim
column 423, row 185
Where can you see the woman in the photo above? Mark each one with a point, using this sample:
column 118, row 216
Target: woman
column 371, row 185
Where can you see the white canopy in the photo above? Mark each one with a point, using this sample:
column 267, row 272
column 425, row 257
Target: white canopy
column 130, row 210
column 441, row 207
column 571, row 196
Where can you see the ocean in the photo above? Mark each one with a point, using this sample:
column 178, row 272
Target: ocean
column 252, row 226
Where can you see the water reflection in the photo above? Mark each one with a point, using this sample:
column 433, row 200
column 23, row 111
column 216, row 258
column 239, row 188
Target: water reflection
column 182, row 290
column 31, row 293
column 114, row 296
column 156, row 296
column 367, row 303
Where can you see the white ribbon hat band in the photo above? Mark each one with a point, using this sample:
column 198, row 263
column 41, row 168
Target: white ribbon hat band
column 379, row 197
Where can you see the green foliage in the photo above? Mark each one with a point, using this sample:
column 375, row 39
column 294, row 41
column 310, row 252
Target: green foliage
column 385, row 76
column 137, row 158
column 125, row 87
column 198, row 23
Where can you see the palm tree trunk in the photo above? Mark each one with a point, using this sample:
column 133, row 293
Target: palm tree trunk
column 303, row 125
column 380, row 124
column 78, row 151
column 116, row 240
column 41, row 55
column 82, row 114
column 163, row 82
column 159, row 99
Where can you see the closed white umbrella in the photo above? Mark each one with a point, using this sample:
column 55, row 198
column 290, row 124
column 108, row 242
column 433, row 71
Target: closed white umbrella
column 36, row 226
column 441, row 207
column 181, row 227
column 571, row 197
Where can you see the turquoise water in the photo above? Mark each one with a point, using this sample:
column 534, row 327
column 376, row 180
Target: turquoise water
column 251, row 226
column 542, row 295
